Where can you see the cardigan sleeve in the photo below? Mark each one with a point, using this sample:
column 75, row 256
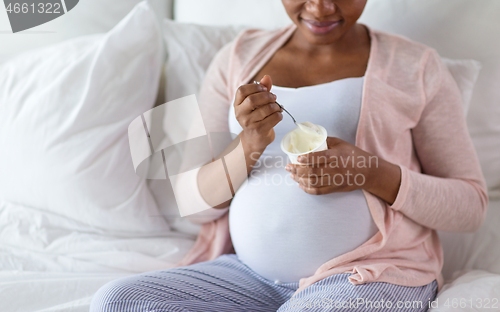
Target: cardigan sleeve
column 450, row 192
column 214, row 103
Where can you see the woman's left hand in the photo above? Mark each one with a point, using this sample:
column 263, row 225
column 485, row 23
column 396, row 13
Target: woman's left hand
column 344, row 167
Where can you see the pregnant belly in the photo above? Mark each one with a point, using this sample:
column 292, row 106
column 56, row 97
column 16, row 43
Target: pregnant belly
column 283, row 233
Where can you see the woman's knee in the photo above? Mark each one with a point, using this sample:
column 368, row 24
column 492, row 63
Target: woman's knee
column 114, row 294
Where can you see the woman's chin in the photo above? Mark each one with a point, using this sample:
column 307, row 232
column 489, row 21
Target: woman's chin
column 315, row 39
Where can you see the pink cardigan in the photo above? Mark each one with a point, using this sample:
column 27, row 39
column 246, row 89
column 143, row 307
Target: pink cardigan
column 411, row 115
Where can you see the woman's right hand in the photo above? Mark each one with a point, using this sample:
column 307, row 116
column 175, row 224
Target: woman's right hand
column 257, row 113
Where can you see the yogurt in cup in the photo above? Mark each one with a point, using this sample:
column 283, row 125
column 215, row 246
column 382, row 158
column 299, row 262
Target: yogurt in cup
column 304, row 139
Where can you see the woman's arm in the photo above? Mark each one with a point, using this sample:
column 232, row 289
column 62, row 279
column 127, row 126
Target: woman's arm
column 450, row 194
column 214, row 104
column 255, row 110
column 213, row 185
column 257, row 113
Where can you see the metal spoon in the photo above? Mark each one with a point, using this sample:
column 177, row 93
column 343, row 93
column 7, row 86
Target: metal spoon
column 283, row 108
column 288, row 113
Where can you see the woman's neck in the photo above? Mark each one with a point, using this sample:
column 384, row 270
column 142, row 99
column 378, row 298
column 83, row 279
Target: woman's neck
column 356, row 39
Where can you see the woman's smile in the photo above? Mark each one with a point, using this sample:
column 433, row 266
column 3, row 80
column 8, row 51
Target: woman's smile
column 320, row 27
column 326, row 22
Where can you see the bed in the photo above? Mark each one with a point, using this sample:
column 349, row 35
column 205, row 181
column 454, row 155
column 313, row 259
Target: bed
column 74, row 218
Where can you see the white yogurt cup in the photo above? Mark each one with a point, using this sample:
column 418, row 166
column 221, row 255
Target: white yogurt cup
column 293, row 156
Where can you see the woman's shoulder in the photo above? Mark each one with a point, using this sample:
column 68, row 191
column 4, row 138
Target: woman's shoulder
column 256, row 36
column 400, row 55
column 397, row 40
column 253, row 42
column 408, row 65
column 400, row 45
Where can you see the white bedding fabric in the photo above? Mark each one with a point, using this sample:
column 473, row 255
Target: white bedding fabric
column 87, row 17
column 51, row 263
column 73, row 213
column 64, row 115
column 470, row 291
column 50, row 292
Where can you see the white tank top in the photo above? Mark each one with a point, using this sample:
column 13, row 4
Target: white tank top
column 278, row 230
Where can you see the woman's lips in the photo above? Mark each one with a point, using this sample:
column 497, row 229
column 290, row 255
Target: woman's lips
column 320, row 27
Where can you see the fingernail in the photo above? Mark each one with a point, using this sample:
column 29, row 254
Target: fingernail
column 264, row 88
column 287, row 168
column 275, row 97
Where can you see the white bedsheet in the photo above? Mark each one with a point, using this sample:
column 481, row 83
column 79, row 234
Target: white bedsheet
column 48, row 291
column 51, row 263
column 73, row 213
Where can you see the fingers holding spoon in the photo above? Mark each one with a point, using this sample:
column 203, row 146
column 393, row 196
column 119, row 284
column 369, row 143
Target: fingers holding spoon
column 283, row 108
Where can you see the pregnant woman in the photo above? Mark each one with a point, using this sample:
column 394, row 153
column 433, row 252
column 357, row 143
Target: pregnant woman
column 352, row 228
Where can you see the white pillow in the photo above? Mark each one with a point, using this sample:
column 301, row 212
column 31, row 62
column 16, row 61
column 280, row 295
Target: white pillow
column 64, row 115
column 190, row 50
column 87, row 17
column 267, row 14
column 469, row 291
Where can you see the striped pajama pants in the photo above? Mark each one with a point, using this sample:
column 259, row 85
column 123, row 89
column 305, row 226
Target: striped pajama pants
column 226, row 284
